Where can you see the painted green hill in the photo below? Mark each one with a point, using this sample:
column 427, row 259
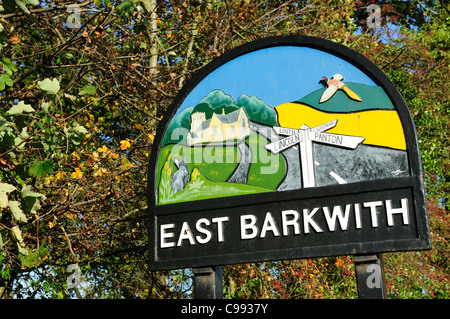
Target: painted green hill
column 373, row 97
column 178, row 127
column 209, row 111
column 256, row 109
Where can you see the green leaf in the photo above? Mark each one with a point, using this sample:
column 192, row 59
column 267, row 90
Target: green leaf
column 4, row 125
column 49, row 86
column 34, row 258
column 24, row 134
column 16, row 234
column 19, row 108
column 76, row 133
column 31, row 200
column 126, row 8
column 79, row 129
column 22, row 4
column 27, row 107
column 5, row 79
column 9, row 67
column 17, row 212
column 7, row 188
column 88, row 90
column 26, row 192
column 17, row 141
column 39, row 169
column 23, row 250
column 3, row 200
column 4, row 190
column 45, row 106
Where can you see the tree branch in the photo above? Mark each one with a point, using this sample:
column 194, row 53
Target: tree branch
column 40, row 10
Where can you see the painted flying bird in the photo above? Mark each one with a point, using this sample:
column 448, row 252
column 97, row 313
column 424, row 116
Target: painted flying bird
column 333, row 85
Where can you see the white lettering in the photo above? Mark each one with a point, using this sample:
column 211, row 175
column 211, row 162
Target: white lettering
column 248, row 226
column 402, row 210
column 269, row 225
column 307, row 220
column 292, row 222
column 337, row 213
column 358, row 215
column 202, row 230
column 373, row 211
column 220, row 221
column 185, row 234
column 164, row 236
column 264, row 307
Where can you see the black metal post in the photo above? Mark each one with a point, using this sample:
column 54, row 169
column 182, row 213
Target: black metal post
column 370, row 277
column 208, row 282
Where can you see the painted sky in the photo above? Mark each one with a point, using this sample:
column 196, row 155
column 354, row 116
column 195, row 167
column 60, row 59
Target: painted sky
column 275, row 75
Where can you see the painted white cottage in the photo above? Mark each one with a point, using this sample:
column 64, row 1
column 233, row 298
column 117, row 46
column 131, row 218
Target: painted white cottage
column 234, row 126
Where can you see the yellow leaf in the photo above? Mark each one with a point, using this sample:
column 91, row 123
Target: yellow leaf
column 138, row 126
column 77, row 174
column 126, row 163
column 124, row 144
column 102, row 149
column 70, row 216
column 99, row 172
column 59, row 175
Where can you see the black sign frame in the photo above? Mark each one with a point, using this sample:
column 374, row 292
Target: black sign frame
column 228, row 211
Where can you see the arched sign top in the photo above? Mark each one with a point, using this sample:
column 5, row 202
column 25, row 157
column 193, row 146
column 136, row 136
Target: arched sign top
column 282, row 119
column 226, row 129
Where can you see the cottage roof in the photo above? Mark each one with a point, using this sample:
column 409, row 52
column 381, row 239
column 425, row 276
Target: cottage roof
column 230, row 117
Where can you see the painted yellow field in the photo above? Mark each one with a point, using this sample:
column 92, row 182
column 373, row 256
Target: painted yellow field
column 379, row 127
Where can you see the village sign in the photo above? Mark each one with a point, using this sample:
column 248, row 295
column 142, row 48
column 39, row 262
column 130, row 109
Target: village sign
column 285, row 148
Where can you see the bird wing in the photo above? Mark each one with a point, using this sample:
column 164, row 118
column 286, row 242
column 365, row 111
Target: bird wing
column 351, row 94
column 328, row 93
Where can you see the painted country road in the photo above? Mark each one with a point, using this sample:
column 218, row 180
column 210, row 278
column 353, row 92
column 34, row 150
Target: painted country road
column 240, row 174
